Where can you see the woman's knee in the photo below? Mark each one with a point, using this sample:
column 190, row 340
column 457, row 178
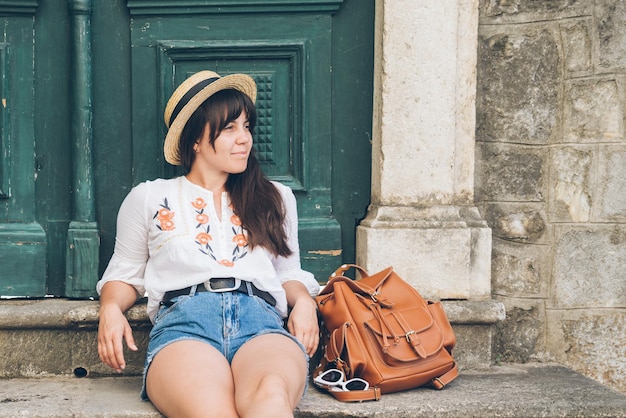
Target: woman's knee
column 274, row 386
column 268, row 377
column 272, row 392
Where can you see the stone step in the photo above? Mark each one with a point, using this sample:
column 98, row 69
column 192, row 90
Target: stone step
column 531, row 390
column 59, row 336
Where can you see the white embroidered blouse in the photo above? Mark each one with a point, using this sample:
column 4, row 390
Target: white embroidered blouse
column 169, row 237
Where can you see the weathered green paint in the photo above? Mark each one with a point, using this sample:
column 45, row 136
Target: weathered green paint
column 165, row 7
column 53, row 145
column 351, row 127
column 320, row 246
column 5, row 123
column 81, row 111
column 83, row 240
column 22, row 239
column 22, row 259
column 82, row 259
column 18, row 7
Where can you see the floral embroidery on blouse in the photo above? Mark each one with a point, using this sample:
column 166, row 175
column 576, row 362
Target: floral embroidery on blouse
column 203, row 238
column 165, row 216
column 239, row 238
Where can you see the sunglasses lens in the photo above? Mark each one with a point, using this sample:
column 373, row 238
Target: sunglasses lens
column 333, row 376
column 356, row 384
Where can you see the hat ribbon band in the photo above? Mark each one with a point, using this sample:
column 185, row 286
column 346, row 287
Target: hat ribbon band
column 189, row 95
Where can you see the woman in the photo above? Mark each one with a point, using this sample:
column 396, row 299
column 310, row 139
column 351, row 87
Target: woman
column 216, row 251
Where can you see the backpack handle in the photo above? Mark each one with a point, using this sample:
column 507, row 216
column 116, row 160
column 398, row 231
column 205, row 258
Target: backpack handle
column 345, row 267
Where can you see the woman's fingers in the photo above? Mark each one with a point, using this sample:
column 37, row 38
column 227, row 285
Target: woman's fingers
column 112, row 330
column 303, row 325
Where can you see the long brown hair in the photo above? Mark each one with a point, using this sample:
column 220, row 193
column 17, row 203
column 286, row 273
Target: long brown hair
column 254, row 198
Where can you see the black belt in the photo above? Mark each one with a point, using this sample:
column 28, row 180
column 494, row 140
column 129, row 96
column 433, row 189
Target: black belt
column 221, row 283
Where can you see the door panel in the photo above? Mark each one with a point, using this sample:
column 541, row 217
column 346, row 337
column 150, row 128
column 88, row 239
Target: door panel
column 22, row 239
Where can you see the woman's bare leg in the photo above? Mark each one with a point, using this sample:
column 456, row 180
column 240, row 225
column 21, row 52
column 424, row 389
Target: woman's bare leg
column 270, row 374
column 191, row 379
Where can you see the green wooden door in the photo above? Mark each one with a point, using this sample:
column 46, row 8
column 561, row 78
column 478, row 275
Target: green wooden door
column 312, row 61
column 22, row 237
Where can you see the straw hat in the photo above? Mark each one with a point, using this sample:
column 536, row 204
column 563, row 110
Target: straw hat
column 189, row 96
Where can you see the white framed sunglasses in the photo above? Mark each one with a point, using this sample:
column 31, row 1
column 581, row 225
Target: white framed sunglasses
column 334, row 379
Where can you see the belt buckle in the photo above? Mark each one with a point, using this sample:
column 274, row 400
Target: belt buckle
column 235, row 286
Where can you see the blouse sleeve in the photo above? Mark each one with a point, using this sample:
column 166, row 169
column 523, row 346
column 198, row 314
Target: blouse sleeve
column 131, row 243
column 289, row 268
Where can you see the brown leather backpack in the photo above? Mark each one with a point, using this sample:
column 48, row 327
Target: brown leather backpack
column 380, row 329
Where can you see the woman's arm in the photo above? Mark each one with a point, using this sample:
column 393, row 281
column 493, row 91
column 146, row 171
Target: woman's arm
column 302, row 322
column 115, row 299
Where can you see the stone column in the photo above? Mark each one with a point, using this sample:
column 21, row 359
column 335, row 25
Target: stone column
column 422, row 218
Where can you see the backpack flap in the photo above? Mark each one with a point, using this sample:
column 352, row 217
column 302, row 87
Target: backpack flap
column 405, row 336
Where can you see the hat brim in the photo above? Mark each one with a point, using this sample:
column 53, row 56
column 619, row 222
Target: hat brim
column 241, row 82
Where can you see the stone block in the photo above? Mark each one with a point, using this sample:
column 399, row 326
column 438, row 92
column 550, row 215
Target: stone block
column 611, row 200
column 611, row 32
column 593, row 111
column 513, row 11
column 434, row 261
column 443, row 251
column 474, row 312
column 480, row 262
column 473, row 346
column 519, row 70
column 589, row 267
column 520, row 270
column 57, row 336
column 518, row 222
column 473, row 323
column 85, row 354
column 40, row 352
column 423, row 127
column 513, row 173
column 577, row 47
column 520, row 337
column 571, row 184
column 592, row 342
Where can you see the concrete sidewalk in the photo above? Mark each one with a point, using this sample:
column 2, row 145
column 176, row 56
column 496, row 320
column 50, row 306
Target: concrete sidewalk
column 534, row 390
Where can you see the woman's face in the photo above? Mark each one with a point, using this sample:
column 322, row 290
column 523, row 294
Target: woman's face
column 230, row 151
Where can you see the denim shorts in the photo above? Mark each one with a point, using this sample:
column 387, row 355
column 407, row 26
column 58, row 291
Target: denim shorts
column 224, row 320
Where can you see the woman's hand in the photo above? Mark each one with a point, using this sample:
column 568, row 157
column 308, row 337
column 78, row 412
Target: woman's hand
column 302, row 322
column 115, row 299
column 112, row 329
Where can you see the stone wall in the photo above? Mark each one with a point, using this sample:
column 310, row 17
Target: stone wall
column 551, row 179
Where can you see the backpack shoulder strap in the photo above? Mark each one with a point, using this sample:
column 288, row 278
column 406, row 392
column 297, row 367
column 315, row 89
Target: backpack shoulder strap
column 441, row 381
